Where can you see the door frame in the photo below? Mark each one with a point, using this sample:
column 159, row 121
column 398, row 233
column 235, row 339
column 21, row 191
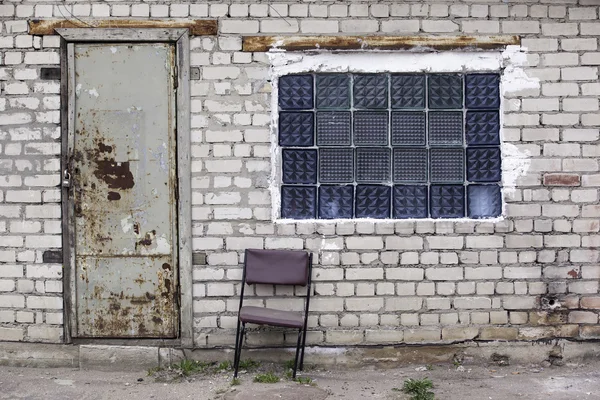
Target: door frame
column 180, row 38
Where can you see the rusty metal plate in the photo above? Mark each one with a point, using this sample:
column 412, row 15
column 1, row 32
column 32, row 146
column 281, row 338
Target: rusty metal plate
column 197, row 27
column 124, row 180
column 424, row 43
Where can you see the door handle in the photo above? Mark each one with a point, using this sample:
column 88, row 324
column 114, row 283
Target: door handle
column 66, row 180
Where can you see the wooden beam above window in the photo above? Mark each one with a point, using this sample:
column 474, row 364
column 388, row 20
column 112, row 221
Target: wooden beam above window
column 425, row 43
column 197, row 27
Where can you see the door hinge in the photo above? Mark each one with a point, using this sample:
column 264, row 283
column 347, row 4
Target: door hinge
column 176, row 77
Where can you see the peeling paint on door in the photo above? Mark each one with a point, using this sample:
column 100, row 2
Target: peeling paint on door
column 124, row 182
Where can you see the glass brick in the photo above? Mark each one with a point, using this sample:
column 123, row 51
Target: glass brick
column 333, row 91
column 296, row 129
column 372, row 201
column 370, row 91
column 298, row 202
column 447, row 201
column 299, row 166
column 336, row 201
column 408, row 128
column 446, row 165
column 410, row 202
column 483, row 127
column 484, row 201
column 445, row 91
column 372, row 164
column 483, row 164
column 296, row 92
column 371, row 128
column 482, row 91
column 408, row 91
column 446, row 128
column 336, row 165
column 334, row 128
column 410, row 165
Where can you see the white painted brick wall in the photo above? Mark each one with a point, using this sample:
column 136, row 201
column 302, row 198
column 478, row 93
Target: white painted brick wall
column 373, row 278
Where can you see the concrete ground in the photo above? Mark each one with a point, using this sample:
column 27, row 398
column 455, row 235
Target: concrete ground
column 571, row 381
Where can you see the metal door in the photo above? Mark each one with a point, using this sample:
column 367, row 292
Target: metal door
column 123, row 194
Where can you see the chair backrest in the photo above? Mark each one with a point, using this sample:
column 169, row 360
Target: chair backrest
column 277, row 267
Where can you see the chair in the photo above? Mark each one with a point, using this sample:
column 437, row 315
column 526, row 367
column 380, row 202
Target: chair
column 274, row 267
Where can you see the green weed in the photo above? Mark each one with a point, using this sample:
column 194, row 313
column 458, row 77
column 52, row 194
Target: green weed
column 419, row 389
column 188, row 367
column 305, row 380
column 225, row 365
column 269, row 377
column 249, row 364
column 235, row 382
column 153, row 370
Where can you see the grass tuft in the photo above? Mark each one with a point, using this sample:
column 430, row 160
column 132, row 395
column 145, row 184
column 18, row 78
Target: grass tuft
column 235, row 382
column 305, row 380
column 268, row 377
column 224, row 366
column 188, row 367
column 153, row 370
column 419, row 389
column 249, row 364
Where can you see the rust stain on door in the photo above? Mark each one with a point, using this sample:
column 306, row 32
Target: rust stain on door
column 124, row 181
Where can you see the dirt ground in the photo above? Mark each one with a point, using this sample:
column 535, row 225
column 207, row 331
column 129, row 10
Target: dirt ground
column 571, row 381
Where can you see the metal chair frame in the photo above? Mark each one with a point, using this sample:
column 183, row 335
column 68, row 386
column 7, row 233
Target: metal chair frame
column 301, row 342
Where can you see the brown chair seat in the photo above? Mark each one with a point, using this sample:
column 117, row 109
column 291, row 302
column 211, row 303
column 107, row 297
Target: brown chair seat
column 270, row 316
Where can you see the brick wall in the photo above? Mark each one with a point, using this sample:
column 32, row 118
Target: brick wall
column 533, row 274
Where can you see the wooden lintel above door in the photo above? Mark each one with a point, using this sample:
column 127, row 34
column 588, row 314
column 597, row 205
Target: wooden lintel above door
column 197, row 27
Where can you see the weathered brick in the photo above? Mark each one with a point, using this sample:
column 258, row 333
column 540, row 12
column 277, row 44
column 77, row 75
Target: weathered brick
column 11, row 334
column 472, row 302
column 590, row 302
column 583, row 287
column 444, row 274
column 403, row 304
column 483, row 273
column 403, row 243
column 562, row 180
column 422, row 335
column 406, row 274
column 445, row 242
column 590, row 332
column 520, row 26
column 460, row 333
column 384, row 336
column 583, row 317
column 519, row 302
column 364, row 243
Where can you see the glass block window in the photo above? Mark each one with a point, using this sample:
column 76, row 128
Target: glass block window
column 390, row 146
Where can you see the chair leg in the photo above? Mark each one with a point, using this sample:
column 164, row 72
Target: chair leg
column 297, row 352
column 301, row 366
column 239, row 340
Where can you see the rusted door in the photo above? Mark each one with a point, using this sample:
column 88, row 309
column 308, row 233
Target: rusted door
column 123, row 169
